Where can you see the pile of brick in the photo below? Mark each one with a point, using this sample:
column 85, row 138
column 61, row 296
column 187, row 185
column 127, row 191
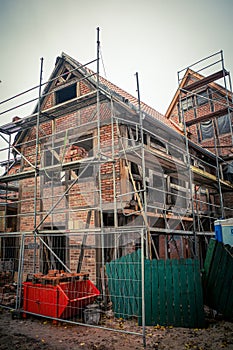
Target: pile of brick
column 75, row 153
column 7, row 289
column 56, row 276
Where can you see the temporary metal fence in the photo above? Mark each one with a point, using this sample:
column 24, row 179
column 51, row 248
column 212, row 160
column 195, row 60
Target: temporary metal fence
column 98, row 279
column 63, row 277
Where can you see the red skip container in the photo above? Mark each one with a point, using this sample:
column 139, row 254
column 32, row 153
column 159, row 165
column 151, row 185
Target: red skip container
column 64, row 300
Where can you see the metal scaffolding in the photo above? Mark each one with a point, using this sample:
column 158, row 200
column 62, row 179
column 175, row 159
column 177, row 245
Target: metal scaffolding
column 102, row 166
column 207, row 106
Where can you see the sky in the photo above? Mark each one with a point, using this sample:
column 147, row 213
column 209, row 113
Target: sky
column 155, row 38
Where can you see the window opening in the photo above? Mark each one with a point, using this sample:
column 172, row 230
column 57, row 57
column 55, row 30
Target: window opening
column 134, row 169
column 80, row 149
column 57, row 243
column 66, row 94
column 49, row 160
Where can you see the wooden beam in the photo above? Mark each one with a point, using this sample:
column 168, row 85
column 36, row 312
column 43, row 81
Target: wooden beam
column 205, row 81
column 209, row 116
column 158, row 215
column 89, row 213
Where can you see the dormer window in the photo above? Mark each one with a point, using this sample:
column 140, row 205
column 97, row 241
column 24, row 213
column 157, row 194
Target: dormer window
column 66, row 94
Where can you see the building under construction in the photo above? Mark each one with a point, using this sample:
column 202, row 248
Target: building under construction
column 94, row 167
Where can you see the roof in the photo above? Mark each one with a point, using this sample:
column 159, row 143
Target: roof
column 106, row 87
column 115, row 90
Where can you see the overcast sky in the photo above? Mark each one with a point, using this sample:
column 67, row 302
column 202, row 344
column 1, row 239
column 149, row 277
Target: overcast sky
column 155, row 38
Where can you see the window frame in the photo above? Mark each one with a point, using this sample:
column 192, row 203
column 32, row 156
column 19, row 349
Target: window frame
column 67, row 95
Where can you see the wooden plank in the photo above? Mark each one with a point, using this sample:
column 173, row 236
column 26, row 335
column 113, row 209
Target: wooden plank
column 170, row 292
column 138, row 280
column 206, row 80
column 148, row 292
column 209, row 116
column 162, row 293
column 199, row 302
column 177, row 295
column 192, row 320
column 154, row 292
column 84, row 240
column 184, row 293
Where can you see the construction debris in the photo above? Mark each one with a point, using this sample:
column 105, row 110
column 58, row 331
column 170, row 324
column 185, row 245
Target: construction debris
column 7, row 288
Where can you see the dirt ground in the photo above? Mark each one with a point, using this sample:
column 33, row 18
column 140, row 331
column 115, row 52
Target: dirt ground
column 39, row 333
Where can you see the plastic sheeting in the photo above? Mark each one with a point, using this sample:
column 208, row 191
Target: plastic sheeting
column 207, row 130
column 224, row 124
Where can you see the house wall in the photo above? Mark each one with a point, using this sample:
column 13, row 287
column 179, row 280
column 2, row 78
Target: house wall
column 72, row 211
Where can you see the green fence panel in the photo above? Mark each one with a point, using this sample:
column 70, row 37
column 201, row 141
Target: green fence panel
column 173, row 294
column 213, row 282
column 124, row 282
column 220, row 279
column 155, row 315
column 209, row 255
column 198, row 295
column 217, row 278
column 228, row 311
column 177, row 294
column 148, row 297
column 184, row 294
column 229, row 285
column 161, row 292
column 169, row 292
column 224, row 298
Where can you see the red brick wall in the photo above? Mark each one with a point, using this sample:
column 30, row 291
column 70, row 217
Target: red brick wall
column 67, row 214
column 223, row 140
column 50, row 101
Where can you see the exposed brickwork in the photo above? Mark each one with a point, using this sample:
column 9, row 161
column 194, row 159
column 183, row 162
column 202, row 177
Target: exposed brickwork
column 84, row 88
column 50, row 101
column 216, row 103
